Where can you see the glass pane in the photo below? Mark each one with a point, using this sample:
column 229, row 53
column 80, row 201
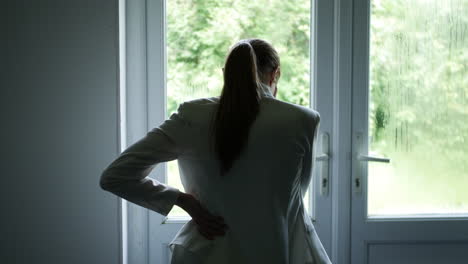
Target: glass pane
column 418, row 111
column 200, row 33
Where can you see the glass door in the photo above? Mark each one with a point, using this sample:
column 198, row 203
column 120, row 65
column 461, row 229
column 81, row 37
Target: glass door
column 198, row 35
column 410, row 144
column 174, row 51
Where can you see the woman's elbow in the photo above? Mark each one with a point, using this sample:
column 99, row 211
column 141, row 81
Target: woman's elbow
column 104, row 181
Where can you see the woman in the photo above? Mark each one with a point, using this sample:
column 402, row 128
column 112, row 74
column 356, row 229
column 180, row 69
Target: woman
column 245, row 161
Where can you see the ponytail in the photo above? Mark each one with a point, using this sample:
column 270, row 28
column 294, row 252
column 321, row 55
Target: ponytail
column 238, row 105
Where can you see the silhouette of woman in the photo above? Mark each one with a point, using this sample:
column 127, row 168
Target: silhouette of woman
column 245, row 160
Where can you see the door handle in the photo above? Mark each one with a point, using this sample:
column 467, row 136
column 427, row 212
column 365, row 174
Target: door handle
column 361, row 158
column 324, row 158
column 373, row 159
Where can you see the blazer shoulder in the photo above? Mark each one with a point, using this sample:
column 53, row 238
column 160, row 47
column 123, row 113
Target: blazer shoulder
column 197, row 109
column 310, row 119
column 194, row 103
column 312, row 114
column 306, row 113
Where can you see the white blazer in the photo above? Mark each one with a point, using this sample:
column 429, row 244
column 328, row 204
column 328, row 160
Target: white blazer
column 260, row 198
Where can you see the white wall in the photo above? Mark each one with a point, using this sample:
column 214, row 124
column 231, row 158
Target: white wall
column 59, row 121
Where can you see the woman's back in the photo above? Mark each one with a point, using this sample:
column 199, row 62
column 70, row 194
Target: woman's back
column 260, row 198
column 244, row 156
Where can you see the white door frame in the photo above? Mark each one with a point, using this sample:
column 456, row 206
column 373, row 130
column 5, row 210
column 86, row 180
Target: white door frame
column 133, row 94
column 341, row 149
column 333, row 88
column 140, row 228
column 143, row 43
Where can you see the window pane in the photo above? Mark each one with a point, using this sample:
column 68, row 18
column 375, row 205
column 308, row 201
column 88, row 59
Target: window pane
column 418, row 111
column 200, row 33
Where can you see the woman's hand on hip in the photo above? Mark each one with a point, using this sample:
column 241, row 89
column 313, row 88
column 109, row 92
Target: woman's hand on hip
column 208, row 224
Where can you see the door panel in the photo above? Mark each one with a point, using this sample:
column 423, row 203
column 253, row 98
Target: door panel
column 409, row 144
column 417, row 98
column 417, row 252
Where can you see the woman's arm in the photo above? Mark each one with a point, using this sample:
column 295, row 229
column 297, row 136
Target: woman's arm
column 127, row 175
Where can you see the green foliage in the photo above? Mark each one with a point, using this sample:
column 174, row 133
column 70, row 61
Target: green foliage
column 419, row 95
column 200, row 33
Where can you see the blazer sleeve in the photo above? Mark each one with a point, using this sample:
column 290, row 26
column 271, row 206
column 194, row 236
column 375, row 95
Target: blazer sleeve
column 127, row 175
column 312, row 126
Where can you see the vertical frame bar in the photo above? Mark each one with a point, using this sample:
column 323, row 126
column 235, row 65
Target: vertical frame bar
column 123, row 258
column 136, row 117
column 322, row 69
column 360, row 81
column 341, row 148
column 160, row 232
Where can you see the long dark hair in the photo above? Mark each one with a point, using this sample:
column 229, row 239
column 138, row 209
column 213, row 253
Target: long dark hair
column 248, row 63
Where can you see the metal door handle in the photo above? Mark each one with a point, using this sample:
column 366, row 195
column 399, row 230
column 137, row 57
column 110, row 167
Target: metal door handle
column 324, row 157
column 359, row 170
column 373, row 159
